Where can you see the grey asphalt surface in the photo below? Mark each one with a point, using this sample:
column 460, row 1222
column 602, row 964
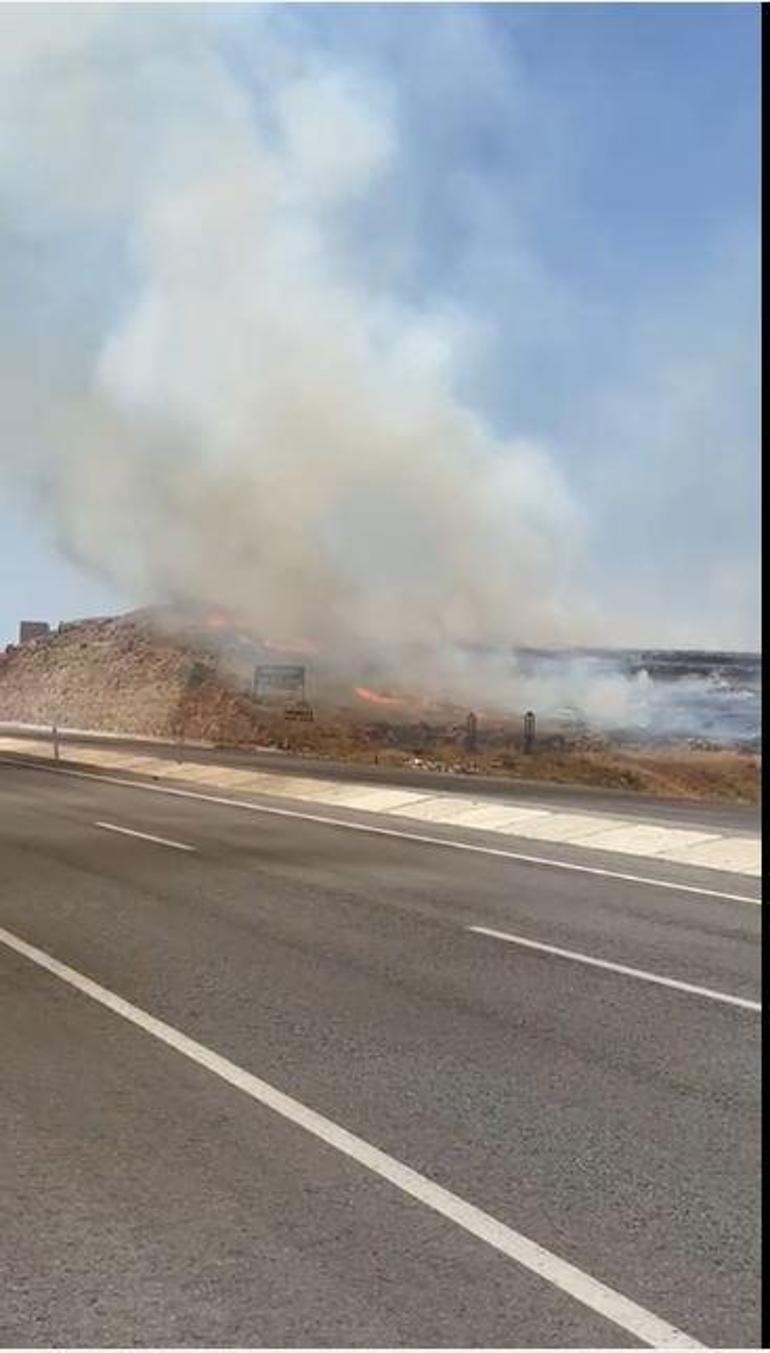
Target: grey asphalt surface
column 612, row 1121
column 581, row 798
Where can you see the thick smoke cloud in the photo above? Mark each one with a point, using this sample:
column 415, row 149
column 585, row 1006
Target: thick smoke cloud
column 216, row 397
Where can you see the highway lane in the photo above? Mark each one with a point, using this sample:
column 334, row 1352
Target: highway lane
column 270, row 796
column 682, row 933
column 587, row 798
column 612, row 1121
column 148, row 1205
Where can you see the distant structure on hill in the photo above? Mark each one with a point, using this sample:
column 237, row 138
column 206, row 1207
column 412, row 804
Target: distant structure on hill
column 33, row 629
column 30, row 630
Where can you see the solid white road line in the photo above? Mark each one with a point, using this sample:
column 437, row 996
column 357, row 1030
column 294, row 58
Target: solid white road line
column 387, row 831
column 626, row 1314
column 143, row 836
column 617, row 967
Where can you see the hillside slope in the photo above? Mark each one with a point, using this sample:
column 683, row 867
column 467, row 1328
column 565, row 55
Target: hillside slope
column 119, row 675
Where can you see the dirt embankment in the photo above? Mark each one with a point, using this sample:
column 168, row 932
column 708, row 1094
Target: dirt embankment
column 98, row 674
column 125, row 675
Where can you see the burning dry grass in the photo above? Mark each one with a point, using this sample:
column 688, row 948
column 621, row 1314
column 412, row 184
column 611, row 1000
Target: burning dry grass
column 678, row 772
column 121, row 675
column 439, row 744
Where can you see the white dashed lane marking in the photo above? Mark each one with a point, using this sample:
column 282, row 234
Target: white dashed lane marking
column 622, row 968
column 143, row 836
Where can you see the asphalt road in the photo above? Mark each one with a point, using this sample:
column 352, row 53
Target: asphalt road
column 674, row 811
column 149, row 1201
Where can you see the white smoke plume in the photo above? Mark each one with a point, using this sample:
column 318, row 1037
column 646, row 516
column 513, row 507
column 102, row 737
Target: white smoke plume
column 246, row 417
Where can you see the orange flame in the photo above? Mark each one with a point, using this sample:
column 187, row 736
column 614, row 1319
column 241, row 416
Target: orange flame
column 227, row 620
column 217, row 620
column 299, row 646
column 375, row 698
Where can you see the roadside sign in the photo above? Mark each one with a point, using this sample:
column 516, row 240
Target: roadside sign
column 279, row 680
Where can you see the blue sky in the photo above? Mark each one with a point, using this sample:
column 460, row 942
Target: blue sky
column 574, row 193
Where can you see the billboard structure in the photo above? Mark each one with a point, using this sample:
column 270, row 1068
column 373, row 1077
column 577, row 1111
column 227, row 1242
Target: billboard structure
column 279, row 682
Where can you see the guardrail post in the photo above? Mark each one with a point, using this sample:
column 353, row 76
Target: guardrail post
column 55, row 736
